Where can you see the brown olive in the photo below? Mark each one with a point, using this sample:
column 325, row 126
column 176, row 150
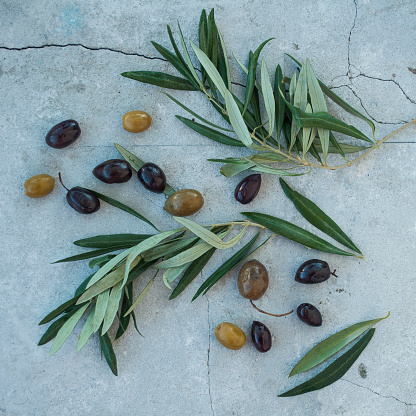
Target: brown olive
column 248, row 188
column 253, row 280
column 39, row 186
column 230, row 335
column 313, row 271
column 113, row 171
column 261, row 336
column 309, row 314
column 136, row 121
column 152, row 177
column 63, row 134
column 184, row 202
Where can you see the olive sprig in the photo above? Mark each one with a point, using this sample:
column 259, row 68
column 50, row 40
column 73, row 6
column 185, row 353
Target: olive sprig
column 299, row 115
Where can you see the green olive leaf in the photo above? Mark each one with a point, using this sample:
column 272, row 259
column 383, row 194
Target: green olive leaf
column 346, row 148
column 66, row 329
column 334, row 371
column 115, row 241
column 100, row 308
column 125, row 305
column 59, row 310
column 173, row 273
column 108, row 352
column 112, row 307
column 227, row 65
column 268, row 96
column 142, row 295
column 100, row 261
column 330, row 346
column 87, row 255
column 160, row 79
column 295, row 233
column 279, row 88
column 229, row 170
column 317, row 217
column 87, row 329
column 162, row 250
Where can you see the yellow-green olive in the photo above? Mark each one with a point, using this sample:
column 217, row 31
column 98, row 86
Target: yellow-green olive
column 136, row 121
column 253, row 280
column 39, row 186
column 230, row 335
column 184, row 202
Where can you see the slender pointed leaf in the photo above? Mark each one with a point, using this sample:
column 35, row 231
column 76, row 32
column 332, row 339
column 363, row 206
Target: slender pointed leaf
column 203, row 39
column 213, row 32
column 227, row 65
column 268, row 96
column 294, row 233
column 306, row 134
column 112, row 240
column 83, row 286
column 101, row 261
column 173, row 273
column 330, row 346
column 210, row 69
column 137, row 163
column 334, row 371
column 273, row 171
column 141, row 296
column 251, row 77
column 87, row 255
column 108, row 352
column 59, row 310
column 66, row 329
column 225, row 268
column 311, row 212
column 100, row 308
column 87, row 330
column 195, row 114
column 175, row 47
column 210, row 133
column 346, row 148
column 112, row 307
column 191, row 272
column 279, row 101
column 125, row 305
column 160, row 79
column 229, row 170
column 268, row 157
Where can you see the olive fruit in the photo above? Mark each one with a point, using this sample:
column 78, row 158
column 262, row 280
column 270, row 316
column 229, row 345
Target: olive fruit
column 309, row 314
column 39, row 186
column 152, row 177
column 136, row 121
column 230, row 335
column 313, row 271
column 113, row 171
column 248, row 188
column 253, row 280
column 82, row 200
column 261, row 336
column 63, row 134
column 184, row 202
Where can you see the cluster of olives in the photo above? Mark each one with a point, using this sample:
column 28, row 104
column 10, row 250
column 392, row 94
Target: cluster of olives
column 181, row 203
column 253, row 282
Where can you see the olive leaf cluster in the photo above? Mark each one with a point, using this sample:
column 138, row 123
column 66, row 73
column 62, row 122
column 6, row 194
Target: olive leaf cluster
column 295, row 135
column 106, row 296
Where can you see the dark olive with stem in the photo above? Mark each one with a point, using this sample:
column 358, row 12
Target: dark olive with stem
column 113, row 171
column 81, row 200
column 309, row 314
column 313, row 271
column 63, row 134
column 152, row 177
column 261, row 336
column 248, row 188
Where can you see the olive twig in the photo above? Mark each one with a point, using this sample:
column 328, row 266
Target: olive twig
column 60, row 180
column 333, row 273
column 268, row 313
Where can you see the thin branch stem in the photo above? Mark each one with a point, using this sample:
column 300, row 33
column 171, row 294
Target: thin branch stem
column 268, row 313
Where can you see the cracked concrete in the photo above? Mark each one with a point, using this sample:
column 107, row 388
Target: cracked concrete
column 63, row 61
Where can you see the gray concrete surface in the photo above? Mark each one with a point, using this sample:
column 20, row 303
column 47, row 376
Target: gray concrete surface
column 61, row 60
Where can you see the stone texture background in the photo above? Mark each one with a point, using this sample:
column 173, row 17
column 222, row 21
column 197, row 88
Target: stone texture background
column 61, row 60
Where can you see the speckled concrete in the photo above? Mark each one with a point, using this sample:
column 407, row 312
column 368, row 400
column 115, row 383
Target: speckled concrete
column 61, row 60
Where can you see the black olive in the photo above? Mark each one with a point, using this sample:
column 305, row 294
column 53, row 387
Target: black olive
column 113, row 171
column 313, row 271
column 309, row 314
column 261, row 336
column 63, row 134
column 248, row 188
column 82, row 200
column 152, row 177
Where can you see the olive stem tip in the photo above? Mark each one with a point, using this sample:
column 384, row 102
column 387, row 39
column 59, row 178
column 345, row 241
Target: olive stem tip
column 268, row 313
column 333, row 273
column 60, row 180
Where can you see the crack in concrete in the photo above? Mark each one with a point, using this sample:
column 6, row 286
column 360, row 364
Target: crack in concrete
column 208, row 356
column 349, row 36
column 80, row 45
column 378, row 394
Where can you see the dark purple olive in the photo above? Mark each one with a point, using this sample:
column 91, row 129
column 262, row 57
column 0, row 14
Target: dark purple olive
column 309, row 314
column 261, row 336
column 63, row 134
column 248, row 188
column 313, row 271
column 113, row 171
column 152, row 177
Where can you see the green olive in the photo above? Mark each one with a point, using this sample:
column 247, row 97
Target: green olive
column 230, row 335
column 253, row 280
column 136, row 121
column 184, row 202
column 39, row 186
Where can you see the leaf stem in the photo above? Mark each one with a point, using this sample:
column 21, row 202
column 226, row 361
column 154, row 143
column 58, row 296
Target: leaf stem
column 268, row 313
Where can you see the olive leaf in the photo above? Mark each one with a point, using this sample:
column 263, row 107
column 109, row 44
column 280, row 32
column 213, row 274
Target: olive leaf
column 100, row 308
column 141, row 296
column 112, row 307
column 137, row 163
column 162, row 250
column 173, row 273
column 225, row 268
column 66, row 329
column 346, row 148
column 59, row 310
column 108, row 352
column 229, row 170
column 295, row 233
column 334, row 371
column 118, row 241
column 160, row 79
column 268, row 96
column 125, row 305
column 311, row 212
column 87, row 255
column 87, row 330
column 100, row 261
column 332, row 345
column 227, row 65
column 279, row 89
column 179, row 55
